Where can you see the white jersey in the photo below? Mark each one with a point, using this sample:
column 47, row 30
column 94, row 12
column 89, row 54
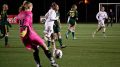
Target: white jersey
column 50, row 18
column 101, row 16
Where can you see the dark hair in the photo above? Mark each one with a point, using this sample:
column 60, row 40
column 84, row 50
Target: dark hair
column 53, row 5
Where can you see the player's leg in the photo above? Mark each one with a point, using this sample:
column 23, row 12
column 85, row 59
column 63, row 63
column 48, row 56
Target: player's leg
column 53, row 43
column 47, row 35
column 58, row 36
column 73, row 31
column 36, row 56
column 32, row 48
column 60, row 40
column 39, row 41
column 6, row 36
column 103, row 28
column 68, row 31
column 2, row 32
column 97, row 30
column 49, row 55
column 108, row 22
column 112, row 22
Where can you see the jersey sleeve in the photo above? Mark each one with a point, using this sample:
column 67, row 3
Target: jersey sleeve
column 97, row 16
column 76, row 13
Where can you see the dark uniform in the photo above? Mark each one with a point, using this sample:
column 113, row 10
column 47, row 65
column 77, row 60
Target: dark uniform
column 4, row 23
column 56, row 26
column 110, row 18
column 73, row 17
column 4, row 27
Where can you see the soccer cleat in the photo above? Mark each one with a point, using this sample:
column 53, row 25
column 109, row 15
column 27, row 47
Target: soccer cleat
column 63, row 46
column 74, row 38
column 54, row 64
column 38, row 65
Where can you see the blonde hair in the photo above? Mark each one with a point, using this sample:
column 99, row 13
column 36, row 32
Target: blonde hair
column 25, row 6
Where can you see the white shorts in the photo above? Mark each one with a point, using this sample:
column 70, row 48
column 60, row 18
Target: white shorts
column 48, row 29
column 101, row 23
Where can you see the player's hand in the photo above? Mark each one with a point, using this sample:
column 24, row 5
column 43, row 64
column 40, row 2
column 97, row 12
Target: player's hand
column 76, row 18
column 23, row 33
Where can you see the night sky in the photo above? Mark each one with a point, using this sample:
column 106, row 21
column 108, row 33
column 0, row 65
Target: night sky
column 87, row 12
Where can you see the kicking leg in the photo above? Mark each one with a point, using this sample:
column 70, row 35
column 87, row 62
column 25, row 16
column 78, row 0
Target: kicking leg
column 99, row 28
column 36, row 56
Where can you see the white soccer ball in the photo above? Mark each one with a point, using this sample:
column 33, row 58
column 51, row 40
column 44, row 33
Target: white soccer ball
column 58, row 53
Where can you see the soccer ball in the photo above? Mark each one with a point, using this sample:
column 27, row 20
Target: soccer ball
column 58, row 53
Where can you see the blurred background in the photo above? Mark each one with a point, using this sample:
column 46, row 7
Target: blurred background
column 87, row 9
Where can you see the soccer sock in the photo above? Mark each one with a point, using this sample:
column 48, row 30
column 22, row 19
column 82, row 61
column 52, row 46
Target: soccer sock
column 36, row 57
column 6, row 40
column 60, row 41
column 104, row 34
column 48, row 43
column 68, row 32
column 73, row 34
column 49, row 55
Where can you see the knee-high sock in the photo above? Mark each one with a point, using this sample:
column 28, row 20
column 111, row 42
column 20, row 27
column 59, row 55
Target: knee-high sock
column 73, row 34
column 36, row 57
column 60, row 41
column 6, row 40
column 49, row 55
column 48, row 43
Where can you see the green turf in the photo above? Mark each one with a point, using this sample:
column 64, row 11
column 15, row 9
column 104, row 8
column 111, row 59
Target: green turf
column 83, row 52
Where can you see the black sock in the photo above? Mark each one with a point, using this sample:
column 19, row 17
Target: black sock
column 49, row 55
column 48, row 43
column 36, row 56
column 73, row 34
column 60, row 41
column 6, row 40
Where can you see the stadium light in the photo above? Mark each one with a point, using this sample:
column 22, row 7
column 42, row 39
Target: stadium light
column 86, row 1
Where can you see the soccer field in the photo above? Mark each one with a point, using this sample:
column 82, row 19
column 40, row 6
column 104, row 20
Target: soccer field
column 85, row 51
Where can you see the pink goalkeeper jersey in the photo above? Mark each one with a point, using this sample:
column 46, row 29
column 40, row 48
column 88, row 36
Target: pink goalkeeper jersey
column 25, row 20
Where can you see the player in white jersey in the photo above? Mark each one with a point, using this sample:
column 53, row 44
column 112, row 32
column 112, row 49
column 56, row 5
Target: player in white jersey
column 50, row 18
column 101, row 16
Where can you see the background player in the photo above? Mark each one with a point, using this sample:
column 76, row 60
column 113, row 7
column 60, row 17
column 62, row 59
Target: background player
column 29, row 37
column 73, row 16
column 57, row 27
column 4, row 24
column 111, row 17
column 101, row 16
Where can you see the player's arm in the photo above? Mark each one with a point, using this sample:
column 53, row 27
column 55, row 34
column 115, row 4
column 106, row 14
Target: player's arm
column 76, row 15
column 97, row 16
column 59, row 23
column 106, row 15
column 46, row 15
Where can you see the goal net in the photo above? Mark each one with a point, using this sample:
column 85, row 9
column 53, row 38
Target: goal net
column 115, row 7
